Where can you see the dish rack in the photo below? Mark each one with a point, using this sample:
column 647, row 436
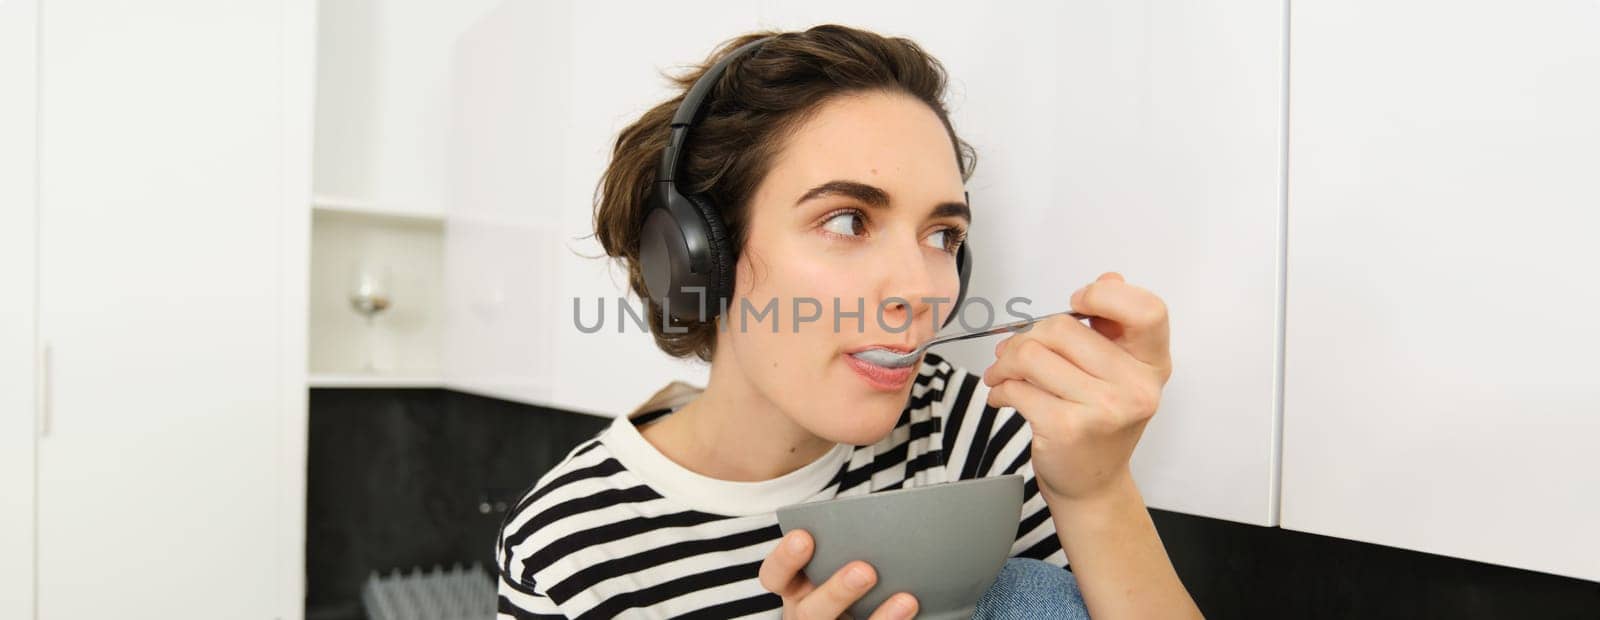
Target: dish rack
column 455, row 594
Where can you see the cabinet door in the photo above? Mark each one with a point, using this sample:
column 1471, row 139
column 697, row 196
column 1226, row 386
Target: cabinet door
column 1440, row 390
column 540, row 91
column 510, row 104
column 18, row 277
column 174, row 189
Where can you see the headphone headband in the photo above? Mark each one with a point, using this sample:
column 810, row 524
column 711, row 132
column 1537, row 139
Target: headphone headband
column 689, row 111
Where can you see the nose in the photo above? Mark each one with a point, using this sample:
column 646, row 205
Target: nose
column 908, row 284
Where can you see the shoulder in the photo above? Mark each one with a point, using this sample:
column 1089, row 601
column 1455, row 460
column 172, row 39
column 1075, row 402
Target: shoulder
column 564, row 501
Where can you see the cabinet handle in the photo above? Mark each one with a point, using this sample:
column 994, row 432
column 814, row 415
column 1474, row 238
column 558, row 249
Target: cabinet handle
column 43, row 387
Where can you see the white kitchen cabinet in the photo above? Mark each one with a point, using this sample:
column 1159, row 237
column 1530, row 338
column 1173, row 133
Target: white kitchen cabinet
column 1440, row 390
column 172, row 151
column 536, row 108
column 381, row 172
column 509, row 108
column 383, row 104
column 19, row 356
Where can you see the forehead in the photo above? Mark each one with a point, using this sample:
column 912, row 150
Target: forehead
column 889, row 140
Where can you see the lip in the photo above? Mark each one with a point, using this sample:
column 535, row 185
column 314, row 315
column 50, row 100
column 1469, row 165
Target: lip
column 878, row 377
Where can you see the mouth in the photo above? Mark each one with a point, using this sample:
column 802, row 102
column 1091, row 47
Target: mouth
column 879, row 377
column 886, row 355
column 897, row 348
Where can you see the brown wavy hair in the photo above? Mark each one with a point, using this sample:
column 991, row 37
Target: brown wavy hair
column 756, row 104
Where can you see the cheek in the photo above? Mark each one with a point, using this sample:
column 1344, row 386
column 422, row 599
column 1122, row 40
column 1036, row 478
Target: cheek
column 795, row 283
column 800, row 363
column 798, row 266
column 826, row 280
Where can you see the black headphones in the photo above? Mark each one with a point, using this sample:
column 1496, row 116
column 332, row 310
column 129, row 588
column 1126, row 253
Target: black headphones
column 684, row 250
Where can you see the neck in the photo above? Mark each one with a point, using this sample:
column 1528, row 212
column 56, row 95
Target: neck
column 733, row 432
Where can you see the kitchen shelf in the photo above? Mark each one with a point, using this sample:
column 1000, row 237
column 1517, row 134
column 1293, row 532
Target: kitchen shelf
column 373, row 380
column 354, row 206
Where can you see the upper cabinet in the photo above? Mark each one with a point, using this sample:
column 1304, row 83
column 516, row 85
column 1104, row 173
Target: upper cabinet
column 1440, row 390
column 540, row 91
column 381, row 174
column 383, row 104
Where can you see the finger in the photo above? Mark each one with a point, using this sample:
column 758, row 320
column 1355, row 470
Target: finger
column 1034, row 361
column 780, row 572
column 1035, row 405
column 901, row 605
column 1107, row 309
column 1080, row 344
column 1140, row 317
column 835, row 595
column 1131, row 398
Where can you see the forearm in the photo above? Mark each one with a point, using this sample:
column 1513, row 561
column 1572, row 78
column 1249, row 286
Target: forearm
column 1117, row 556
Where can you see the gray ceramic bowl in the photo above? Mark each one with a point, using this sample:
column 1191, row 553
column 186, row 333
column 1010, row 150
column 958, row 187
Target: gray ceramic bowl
column 943, row 543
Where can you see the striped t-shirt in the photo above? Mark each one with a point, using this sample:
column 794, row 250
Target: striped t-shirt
column 618, row 529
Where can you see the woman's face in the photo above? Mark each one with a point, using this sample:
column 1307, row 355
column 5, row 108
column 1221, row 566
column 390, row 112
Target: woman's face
column 863, row 204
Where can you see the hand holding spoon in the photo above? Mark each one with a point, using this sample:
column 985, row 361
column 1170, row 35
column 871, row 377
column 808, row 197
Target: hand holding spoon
column 893, row 359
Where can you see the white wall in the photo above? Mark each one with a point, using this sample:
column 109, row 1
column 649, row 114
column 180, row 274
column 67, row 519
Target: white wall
column 1142, row 138
column 1440, row 390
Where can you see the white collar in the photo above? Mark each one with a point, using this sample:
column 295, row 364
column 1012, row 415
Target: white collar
column 711, row 495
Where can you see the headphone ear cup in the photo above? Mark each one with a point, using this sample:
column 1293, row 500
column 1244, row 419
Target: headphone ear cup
column 721, row 255
column 964, row 273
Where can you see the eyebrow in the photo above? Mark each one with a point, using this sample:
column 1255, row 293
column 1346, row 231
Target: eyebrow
column 877, row 198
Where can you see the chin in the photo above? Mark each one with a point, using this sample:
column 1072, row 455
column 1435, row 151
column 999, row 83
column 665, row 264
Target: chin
column 859, row 423
column 849, row 411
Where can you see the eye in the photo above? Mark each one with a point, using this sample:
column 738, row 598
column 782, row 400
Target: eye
column 948, row 239
column 841, row 223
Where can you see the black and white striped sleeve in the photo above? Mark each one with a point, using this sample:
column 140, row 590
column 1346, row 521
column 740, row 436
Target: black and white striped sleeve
column 982, row 441
column 517, row 599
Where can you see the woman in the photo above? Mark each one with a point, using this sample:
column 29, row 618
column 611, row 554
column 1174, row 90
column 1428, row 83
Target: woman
column 831, row 161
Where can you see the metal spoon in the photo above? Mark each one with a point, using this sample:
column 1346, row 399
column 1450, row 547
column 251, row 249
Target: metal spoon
column 892, row 359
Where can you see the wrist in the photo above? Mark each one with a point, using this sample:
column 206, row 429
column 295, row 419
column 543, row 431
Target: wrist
column 1117, row 490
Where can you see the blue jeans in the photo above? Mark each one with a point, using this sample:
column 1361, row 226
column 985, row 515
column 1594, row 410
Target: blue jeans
column 1027, row 588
